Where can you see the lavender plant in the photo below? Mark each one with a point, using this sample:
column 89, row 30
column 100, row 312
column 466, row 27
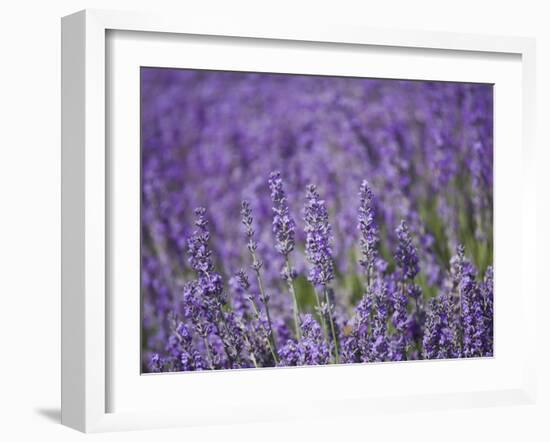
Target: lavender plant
column 368, row 232
column 319, row 254
column 231, row 279
column 283, row 229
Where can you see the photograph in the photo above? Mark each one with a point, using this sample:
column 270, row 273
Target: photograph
column 254, row 222
column 297, row 219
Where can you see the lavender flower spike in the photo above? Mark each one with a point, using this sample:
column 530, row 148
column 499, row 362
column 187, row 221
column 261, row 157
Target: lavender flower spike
column 471, row 308
column 318, row 238
column 283, row 223
column 200, row 257
column 252, row 245
column 319, row 253
column 406, row 257
column 284, row 229
column 369, row 231
column 209, row 286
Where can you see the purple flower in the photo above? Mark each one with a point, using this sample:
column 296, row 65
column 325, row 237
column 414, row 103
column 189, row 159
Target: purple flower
column 284, row 229
column 471, row 303
column 311, row 349
column 156, row 364
column 252, row 245
column 379, row 348
column 206, row 300
column 361, row 330
column 319, row 254
column 400, row 342
column 473, row 337
column 487, row 291
column 405, row 256
column 200, row 257
column 184, row 355
column 369, row 232
column 368, row 338
column 283, row 223
column 242, row 280
column 439, row 340
column 209, row 282
column 318, row 239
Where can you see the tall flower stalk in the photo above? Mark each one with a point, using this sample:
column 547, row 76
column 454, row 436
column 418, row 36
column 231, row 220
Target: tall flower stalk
column 369, row 237
column 247, row 220
column 406, row 259
column 405, row 256
column 284, row 230
column 319, row 255
column 471, row 307
column 209, row 293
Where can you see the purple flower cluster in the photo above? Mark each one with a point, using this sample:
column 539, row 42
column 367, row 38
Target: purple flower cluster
column 318, row 238
column 310, row 349
column 369, row 232
column 283, row 223
column 460, row 321
column 395, row 268
column 406, row 256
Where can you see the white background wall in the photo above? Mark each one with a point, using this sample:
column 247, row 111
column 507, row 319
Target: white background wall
column 30, row 219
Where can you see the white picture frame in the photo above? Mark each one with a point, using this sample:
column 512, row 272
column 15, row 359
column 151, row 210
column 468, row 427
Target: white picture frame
column 86, row 315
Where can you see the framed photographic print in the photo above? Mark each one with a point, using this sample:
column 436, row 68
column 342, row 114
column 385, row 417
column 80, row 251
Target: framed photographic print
column 269, row 221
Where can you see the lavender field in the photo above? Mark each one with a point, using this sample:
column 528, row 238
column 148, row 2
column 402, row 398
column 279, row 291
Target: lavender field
column 291, row 220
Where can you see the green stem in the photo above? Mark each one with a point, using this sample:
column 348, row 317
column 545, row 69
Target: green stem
column 321, row 315
column 271, row 337
column 336, row 352
column 290, row 283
